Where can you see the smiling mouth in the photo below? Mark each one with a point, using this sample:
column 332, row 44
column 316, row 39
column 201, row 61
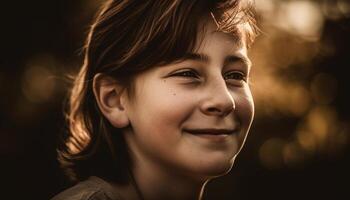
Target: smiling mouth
column 212, row 131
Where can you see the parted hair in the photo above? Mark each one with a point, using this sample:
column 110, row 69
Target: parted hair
column 126, row 38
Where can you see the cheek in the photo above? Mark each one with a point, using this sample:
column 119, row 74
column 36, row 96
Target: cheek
column 245, row 111
column 158, row 119
column 164, row 108
column 248, row 103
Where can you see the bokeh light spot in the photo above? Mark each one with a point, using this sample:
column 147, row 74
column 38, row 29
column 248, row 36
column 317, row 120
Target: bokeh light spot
column 293, row 155
column 38, row 81
column 302, row 18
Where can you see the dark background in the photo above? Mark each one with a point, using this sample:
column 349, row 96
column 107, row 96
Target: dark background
column 40, row 42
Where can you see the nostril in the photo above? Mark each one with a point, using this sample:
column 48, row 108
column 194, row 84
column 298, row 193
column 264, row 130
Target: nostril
column 221, row 111
column 218, row 106
column 213, row 110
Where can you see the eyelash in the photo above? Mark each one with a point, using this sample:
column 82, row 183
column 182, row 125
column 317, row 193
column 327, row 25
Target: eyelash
column 242, row 76
column 187, row 73
column 194, row 74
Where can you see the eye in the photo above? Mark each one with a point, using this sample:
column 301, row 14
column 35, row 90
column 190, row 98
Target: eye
column 186, row 73
column 235, row 75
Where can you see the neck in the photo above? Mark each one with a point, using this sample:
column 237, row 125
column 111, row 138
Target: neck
column 155, row 183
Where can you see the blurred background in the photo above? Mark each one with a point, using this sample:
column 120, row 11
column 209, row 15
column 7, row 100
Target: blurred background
column 299, row 144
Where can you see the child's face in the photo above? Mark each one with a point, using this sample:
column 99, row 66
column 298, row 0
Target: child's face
column 175, row 106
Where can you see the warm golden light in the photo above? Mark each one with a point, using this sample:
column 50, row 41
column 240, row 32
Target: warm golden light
column 299, row 100
column 286, row 85
column 344, row 7
column 307, row 141
column 320, row 122
column 302, row 18
column 335, row 10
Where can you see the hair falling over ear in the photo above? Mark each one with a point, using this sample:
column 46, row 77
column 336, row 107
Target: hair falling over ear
column 126, row 38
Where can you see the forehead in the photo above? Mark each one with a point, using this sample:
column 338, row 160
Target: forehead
column 215, row 46
column 208, row 32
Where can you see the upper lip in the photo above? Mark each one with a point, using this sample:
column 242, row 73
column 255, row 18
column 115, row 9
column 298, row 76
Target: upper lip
column 213, row 131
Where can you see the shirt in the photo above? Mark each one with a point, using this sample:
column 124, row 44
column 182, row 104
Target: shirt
column 94, row 188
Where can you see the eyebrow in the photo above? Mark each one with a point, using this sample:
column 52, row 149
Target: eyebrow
column 197, row 57
column 228, row 60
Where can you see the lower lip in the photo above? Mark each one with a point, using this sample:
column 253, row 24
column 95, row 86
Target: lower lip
column 212, row 137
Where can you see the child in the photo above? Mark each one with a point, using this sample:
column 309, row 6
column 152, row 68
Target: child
column 162, row 102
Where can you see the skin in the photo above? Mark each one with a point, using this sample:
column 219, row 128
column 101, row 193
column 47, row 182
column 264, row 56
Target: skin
column 172, row 104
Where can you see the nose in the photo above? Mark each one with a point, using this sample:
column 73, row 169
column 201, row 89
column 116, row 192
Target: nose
column 218, row 100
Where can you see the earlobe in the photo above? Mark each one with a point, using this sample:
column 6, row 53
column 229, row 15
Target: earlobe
column 109, row 97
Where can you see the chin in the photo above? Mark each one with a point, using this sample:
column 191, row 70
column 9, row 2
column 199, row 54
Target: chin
column 217, row 169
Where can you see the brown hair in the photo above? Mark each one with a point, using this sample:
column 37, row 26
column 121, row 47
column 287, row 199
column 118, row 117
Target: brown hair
column 126, row 38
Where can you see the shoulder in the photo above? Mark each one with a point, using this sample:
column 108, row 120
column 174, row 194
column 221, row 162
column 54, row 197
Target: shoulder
column 74, row 194
column 92, row 189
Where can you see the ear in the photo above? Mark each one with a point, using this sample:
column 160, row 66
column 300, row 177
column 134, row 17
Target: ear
column 109, row 96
